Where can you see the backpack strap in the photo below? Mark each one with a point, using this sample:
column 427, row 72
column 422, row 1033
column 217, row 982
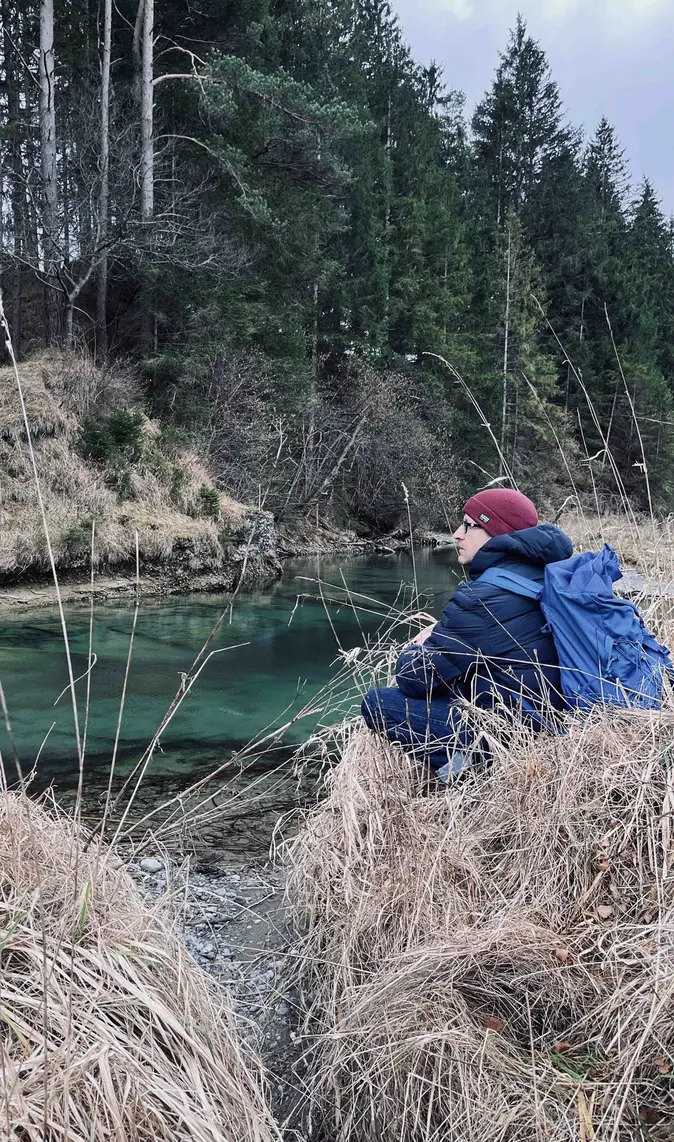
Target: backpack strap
column 511, row 581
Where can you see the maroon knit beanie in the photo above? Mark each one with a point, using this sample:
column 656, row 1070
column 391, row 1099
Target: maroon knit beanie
column 501, row 510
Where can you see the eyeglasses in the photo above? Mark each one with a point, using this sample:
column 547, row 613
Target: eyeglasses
column 466, row 524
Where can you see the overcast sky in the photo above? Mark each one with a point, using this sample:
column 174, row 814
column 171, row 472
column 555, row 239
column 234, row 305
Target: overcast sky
column 609, row 57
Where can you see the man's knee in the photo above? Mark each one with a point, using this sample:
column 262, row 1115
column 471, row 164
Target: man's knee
column 371, row 710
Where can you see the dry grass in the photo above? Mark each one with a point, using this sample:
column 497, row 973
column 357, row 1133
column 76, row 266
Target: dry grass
column 60, row 391
column 107, row 1029
column 495, row 961
column 642, row 543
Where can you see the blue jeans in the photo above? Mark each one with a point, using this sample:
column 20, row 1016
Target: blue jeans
column 433, row 727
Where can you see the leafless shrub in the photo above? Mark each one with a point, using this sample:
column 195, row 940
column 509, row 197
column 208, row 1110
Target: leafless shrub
column 344, row 450
column 402, row 447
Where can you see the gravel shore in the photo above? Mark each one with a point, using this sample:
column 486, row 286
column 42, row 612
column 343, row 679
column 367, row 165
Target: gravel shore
column 234, row 927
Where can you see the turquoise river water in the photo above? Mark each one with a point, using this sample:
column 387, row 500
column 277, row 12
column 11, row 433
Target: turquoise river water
column 291, row 642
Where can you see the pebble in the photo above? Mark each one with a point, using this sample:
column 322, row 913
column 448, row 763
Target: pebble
column 152, row 864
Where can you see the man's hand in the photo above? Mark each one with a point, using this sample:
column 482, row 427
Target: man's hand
column 422, row 635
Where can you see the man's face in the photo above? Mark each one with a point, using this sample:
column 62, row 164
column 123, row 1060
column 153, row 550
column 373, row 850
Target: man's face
column 470, row 537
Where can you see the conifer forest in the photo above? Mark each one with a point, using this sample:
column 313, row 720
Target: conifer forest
column 330, row 278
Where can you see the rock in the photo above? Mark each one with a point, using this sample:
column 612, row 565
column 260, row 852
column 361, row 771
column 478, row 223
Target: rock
column 632, row 583
column 257, row 547
column 435, row 539
column 250, row 968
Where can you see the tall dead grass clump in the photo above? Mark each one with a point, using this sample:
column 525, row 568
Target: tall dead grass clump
column 59, row 390
column 643, row 543
column 495, row 960
column 107, row 1029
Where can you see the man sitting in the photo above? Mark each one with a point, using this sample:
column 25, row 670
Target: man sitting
column 491, row 646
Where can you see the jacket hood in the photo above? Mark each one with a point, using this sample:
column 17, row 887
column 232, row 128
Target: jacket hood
column 536, row 545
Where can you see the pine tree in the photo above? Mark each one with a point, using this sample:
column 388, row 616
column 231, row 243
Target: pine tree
column 603, row 224
column 519, row 130
column 600, row 227
column 649, row 281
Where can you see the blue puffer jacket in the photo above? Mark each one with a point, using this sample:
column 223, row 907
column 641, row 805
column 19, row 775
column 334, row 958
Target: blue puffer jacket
column 490, row 642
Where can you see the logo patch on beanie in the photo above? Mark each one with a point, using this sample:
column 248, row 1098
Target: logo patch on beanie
column 484, row 518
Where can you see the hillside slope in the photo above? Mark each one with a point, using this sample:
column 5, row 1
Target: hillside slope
column 105, row 468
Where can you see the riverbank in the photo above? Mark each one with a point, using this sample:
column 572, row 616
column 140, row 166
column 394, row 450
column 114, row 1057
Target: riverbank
column 257, row 558
column 122, row 493
column 115, row 490
column 187, row 568
column 494, row 956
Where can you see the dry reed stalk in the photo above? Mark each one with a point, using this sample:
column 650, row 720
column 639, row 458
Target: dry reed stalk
column 107, row 1029
column 495, row 961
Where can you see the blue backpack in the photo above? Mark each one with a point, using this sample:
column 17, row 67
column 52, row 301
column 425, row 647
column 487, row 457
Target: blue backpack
column 606, row 655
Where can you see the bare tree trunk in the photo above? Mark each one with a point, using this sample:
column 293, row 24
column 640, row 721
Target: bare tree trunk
column 17, row 192
column 147, row 149
column 500, row 184
column 86, row 223
column 444, row 308
column 387, row 219
column 46, row 80
column 31, row 241
column 513, row 462
column 504, row 395
column 313, row 397
column 310, row 452
column 68, row 314
column 104, row 193
column 65, row 197
column 146, row 114
column 329, row 480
